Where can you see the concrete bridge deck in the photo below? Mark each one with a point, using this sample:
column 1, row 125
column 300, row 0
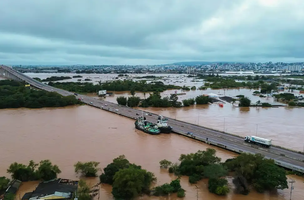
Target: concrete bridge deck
column 283, row 157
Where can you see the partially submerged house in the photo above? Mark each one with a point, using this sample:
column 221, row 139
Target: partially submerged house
column 54, row 189
column 12, row 188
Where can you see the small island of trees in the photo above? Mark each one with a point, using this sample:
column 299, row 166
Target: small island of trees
column 248, row 169
column 15, row 95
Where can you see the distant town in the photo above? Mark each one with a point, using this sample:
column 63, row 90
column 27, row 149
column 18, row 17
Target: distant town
column 222, row 68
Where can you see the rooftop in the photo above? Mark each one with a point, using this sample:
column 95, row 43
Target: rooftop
column 54, row 189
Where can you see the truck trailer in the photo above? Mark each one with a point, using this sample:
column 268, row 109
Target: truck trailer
column 258, row 140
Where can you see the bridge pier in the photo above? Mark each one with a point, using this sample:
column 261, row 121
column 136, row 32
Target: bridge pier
column 7, row 75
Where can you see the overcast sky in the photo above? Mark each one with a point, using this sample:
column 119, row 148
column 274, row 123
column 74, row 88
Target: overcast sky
column 150, row 31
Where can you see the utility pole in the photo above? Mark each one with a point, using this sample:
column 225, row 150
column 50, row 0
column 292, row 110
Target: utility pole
column 224, row 125
column 256, row 129
column 196, row 192
column 291, row 187
column 198, row 118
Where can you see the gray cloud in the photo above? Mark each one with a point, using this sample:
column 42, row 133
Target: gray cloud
column 150, row 32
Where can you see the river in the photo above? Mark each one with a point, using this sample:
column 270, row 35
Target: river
column 83, row 133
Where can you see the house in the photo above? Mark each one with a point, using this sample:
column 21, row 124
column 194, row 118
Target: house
column 54, row 189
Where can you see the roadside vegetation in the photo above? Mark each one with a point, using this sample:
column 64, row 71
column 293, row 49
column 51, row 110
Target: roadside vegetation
column 53, row 78
column 15, row 95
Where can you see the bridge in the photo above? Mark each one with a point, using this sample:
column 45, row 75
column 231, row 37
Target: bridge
column 283, row 157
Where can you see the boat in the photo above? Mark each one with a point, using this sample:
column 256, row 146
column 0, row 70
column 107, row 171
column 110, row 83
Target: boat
column 162, row 125
column 142, row 124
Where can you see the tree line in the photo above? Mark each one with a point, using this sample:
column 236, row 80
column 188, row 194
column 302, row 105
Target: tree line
column 53, row 78
column 118, row 85
column 155, row 100
column 15, row 95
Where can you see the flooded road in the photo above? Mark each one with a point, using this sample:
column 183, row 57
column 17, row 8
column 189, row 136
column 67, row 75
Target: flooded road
column 82, row 133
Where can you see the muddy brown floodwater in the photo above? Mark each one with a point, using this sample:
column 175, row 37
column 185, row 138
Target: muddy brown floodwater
column 283, row 124
column 82, row 133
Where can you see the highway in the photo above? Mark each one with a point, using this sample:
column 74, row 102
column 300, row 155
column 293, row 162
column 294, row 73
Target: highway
column 283, row 157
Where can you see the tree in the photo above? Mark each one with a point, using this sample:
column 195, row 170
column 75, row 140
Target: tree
column 22, row 172
column 47, row 171
column 173, row 99
column 133, row 101
column 118, row 163
column 83, row 191
column 9, row 196
column 121, row 100
column 245, row 165
column 132, row 91
column 202, row 99
column 131, row 182
column 214, row 171
column 165, row 163
column 88, row 169
column 268, row 176
column 218, row 186
column 167, row 189
column 244, row 102
column 241, row 185
column 3, row 183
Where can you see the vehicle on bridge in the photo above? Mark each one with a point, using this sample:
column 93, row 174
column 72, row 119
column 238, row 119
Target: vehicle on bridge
column 258, row 140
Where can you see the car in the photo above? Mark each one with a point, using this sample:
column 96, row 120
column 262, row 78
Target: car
column 150, row 114
column 137, row 114
column 75, row 94
column 91, row 103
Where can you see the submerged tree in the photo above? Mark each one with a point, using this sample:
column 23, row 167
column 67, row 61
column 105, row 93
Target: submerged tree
column 88, row 169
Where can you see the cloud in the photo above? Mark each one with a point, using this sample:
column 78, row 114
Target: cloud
column 150, row 32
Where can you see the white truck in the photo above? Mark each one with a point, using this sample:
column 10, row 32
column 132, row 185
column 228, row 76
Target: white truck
column 258, row 140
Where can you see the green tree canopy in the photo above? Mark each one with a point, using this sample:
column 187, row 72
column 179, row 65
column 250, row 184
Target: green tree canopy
column 214, row 171
column 202, row 99
column 118, row 163
column 268, row 176
column 121, row 100
column 244, row 102
column 88, row 169
column 83, row 191
column 3, row 183
column 47, row 171
column 131, row 182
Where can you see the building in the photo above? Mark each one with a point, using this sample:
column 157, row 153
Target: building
column 54, row 189
column 102, row 92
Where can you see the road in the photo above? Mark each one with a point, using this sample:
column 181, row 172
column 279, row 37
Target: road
column 283, row 157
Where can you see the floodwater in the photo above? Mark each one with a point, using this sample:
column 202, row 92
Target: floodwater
column 83, row 133
column 282, row 124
